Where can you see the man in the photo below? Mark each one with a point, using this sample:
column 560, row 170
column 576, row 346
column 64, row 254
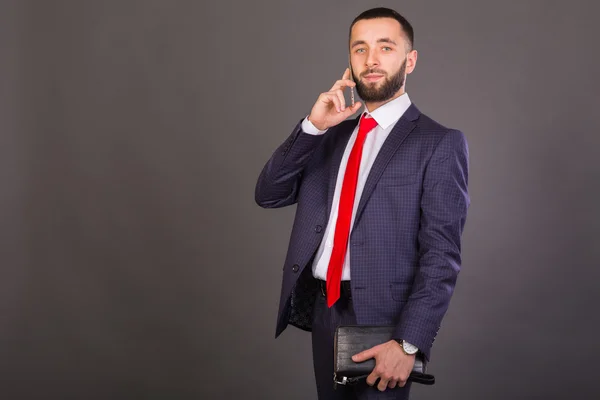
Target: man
column 381, row 204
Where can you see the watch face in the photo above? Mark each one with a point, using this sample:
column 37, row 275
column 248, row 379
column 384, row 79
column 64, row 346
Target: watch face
column 409, row 348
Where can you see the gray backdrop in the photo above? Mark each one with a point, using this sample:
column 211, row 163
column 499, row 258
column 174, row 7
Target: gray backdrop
column 135, row 264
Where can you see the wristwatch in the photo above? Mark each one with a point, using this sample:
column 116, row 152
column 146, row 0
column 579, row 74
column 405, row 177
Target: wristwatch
column 407, row 348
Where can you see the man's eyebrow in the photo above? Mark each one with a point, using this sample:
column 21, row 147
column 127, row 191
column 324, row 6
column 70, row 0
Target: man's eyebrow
column 382, row 40
column 386, row 40
column 357, row 42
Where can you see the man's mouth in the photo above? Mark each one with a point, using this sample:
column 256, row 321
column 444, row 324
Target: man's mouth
column 373, row 77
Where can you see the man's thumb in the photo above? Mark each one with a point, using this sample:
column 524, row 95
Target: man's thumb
column 356, row 106
column 362, row 356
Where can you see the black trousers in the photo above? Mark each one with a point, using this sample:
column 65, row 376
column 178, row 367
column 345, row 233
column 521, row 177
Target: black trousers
column 325, row 321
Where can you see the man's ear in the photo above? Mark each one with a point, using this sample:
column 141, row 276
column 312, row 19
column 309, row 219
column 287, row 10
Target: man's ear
column 411, row 61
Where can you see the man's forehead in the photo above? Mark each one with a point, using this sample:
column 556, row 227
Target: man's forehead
column 382, row 27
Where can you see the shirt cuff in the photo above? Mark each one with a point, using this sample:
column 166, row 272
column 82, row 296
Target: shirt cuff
column 309, row 128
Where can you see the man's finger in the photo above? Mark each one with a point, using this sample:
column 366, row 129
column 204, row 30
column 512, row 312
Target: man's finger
column 336, row 101
column 372, row 378
column 392, row 383
column 346, row 74
column 383, row 384
column 331, row 99
column 340, row 96
column 342, row 83
column 364, row 355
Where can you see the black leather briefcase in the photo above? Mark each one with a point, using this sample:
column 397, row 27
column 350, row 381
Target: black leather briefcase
column 350, row 340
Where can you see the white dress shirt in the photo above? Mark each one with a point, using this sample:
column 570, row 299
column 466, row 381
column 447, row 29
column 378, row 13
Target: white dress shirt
column 386, row 117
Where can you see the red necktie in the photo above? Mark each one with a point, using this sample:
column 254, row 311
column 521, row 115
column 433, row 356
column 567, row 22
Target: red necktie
column 342, row 226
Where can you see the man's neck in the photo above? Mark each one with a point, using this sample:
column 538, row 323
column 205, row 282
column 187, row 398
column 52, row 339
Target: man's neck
column 374, row 106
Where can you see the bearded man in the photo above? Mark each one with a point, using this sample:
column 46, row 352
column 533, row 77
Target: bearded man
column 381, row 205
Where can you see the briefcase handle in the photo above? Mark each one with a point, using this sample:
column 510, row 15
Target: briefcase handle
column 416, row 377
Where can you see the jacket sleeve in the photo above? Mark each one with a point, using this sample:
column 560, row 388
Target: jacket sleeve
column 280, row 179
column 444, row 205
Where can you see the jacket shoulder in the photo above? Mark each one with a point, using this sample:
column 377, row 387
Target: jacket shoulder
column 433, row 129
column 427, row 124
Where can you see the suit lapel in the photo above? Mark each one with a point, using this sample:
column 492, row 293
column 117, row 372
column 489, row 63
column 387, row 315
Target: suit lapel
column 399, row 132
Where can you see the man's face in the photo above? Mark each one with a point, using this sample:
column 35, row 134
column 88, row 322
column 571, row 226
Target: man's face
column 379, row 58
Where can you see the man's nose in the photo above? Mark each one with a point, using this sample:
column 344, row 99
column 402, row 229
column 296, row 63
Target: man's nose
column 372, row 60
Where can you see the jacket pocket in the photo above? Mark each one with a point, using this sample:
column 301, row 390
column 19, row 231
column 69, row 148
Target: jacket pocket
column 398, row 180
column 400, row 291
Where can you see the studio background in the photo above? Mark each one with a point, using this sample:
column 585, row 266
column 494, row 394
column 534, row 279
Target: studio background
column 136, row 265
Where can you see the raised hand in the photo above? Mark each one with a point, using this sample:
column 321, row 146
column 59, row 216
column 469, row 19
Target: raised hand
column 330, row 108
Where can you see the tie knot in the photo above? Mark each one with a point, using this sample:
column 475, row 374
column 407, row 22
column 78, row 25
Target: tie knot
column 366, row 124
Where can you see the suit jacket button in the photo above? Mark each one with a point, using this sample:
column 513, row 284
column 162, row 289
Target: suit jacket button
column 295, row 268
column 318, row 228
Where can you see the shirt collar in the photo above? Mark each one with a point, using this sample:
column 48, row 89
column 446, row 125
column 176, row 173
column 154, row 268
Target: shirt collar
column 390, row 112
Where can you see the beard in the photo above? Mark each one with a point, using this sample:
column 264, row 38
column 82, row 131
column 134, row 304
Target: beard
column 390, row 86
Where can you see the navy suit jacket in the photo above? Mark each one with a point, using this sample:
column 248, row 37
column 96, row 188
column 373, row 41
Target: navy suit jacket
column 405, row 244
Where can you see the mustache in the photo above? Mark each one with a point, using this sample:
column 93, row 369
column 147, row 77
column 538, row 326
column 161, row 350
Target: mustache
column 373, row 71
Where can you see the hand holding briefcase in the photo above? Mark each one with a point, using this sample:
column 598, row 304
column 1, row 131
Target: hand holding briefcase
column 350, row 340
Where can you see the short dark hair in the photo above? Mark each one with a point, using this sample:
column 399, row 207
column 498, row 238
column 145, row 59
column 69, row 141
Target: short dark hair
column 382, row 12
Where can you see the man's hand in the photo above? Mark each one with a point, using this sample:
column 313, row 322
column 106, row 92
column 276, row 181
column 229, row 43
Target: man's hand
column 392, row 365
column 330, row 108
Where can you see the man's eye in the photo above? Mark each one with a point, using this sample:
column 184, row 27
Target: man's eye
column 387, row 48
column 360, row 50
